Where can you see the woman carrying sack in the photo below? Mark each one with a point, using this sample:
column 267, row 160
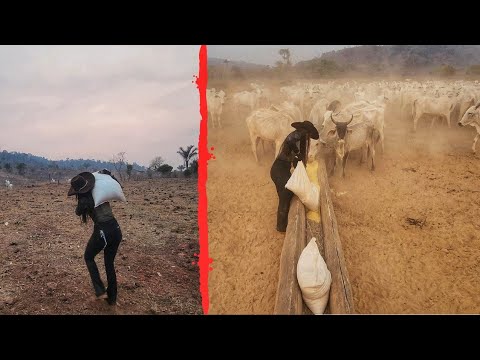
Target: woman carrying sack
column 106, row 236
column 294, row 148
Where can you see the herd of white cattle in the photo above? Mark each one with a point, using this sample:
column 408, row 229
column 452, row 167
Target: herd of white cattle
column 9, row 185
column 349, row 115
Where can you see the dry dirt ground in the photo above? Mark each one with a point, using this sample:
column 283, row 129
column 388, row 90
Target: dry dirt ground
column 394, row 266
column 397, row 265
column 242, row 237
column 42, row 270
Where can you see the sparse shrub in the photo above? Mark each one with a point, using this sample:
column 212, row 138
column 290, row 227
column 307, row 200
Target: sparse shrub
column 187, row 173
column 194, row 167
column 129, row 170
column 165, row 169
column 156, row 163
column 149, row 173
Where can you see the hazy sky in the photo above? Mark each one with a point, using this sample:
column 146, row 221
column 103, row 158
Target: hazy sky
column 95, row 101
column 268, row 54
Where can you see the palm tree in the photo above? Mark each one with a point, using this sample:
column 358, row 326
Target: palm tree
column 285, row 54
column 187, row 154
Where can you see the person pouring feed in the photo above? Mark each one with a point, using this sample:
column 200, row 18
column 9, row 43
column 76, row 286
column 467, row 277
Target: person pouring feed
column 294, row 148
column 106, row 236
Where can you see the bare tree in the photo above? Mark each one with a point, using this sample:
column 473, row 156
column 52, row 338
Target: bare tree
column 149, row 173
column 156, row 163
column 119, row 162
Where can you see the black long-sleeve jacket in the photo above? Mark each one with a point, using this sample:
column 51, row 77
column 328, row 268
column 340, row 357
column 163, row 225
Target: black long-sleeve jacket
column 99, row 214
column 290, row 149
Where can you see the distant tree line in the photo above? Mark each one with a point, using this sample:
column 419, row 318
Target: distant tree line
column 21, row 162
column 370, row 60
column 187, row 169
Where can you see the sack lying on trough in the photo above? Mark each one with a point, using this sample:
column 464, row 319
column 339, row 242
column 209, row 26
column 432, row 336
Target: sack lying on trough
column 106, row 189
column 300, row 185
column 314, row 278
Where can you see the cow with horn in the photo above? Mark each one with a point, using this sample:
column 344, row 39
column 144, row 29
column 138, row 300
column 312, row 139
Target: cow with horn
column 347, row 138
column 472, row 118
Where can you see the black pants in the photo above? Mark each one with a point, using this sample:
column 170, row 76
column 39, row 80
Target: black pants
column 280, row 174
column 106, row 236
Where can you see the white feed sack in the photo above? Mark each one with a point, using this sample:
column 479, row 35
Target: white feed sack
column 106, row 189
column 300, row 185
column 314, row 278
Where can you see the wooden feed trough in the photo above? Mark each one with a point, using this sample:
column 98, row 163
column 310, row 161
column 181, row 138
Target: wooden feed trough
column 289, row 297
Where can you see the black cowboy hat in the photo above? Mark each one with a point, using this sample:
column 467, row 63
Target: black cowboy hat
column 82, row 183
column 307, row 125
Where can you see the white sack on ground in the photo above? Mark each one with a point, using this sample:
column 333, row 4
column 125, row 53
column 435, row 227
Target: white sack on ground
column 314, row 278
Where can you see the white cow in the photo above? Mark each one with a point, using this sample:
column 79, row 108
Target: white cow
column 359, row 95
column 321, row 107
column 442, row 106
column 215, row 101
column 407, row 97
column 347, row 137
column 265, row 95
column 472, row 118
column 317, row 112
column 247, row 98
column 363, row 112
column 273, row 125
column 8, row 185
column 300, row 95
column 211, row 91
column 465, row 101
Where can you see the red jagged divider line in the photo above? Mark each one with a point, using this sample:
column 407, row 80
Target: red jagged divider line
column 203, row 156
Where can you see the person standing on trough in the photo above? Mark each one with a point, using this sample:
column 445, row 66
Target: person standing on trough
column 294, row 148
column 106, row 236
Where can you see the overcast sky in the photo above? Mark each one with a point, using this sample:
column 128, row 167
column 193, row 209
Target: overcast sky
column 95, row 101
column 268, row 54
